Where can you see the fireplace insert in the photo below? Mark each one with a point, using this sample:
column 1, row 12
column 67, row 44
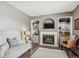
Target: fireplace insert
column 48, row 39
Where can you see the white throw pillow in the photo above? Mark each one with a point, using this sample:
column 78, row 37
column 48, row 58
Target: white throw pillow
column 21, row 41
column 73, row 37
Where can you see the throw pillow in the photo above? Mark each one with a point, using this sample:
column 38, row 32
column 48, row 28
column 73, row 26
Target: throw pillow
column 21, row 42
column 12, row 42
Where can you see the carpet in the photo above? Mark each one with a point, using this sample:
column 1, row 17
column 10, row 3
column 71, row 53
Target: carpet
column 49, row 53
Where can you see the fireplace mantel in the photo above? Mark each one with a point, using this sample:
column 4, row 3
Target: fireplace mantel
column 48, row 33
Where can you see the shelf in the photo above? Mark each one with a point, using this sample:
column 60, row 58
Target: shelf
column 64, row 30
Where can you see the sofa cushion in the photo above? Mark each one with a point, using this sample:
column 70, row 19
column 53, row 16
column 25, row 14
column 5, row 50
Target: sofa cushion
column 2, row 53
column 17, row 51
column 5, row 46
column 3, row 49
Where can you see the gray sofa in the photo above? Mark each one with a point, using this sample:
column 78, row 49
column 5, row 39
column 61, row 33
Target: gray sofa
column 17, row 47
column 17, row 51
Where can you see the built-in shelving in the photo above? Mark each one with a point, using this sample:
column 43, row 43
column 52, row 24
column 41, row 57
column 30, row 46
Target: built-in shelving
column 65, row 26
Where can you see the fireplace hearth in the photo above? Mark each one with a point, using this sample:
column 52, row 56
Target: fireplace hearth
column 48, row 39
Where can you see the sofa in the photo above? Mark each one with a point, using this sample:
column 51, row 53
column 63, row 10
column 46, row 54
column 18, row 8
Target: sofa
column 16, row 51
column 17, row 47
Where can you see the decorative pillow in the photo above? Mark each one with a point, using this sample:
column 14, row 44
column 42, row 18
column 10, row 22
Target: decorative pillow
column 12, row 42
column 76, row 37
column 21, row 42
column 73, row 37
column 3, row 49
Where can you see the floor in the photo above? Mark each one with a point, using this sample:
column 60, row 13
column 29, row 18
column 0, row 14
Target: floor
column 35, row 47
column 49, row 53
column 29, row 53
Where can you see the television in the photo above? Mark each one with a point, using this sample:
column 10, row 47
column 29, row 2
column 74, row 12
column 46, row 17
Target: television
column 48, row 26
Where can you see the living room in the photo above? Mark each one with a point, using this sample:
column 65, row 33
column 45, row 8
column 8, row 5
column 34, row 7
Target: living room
column 39, row 29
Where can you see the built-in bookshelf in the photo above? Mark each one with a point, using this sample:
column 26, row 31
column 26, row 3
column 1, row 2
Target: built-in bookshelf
column 64, row 27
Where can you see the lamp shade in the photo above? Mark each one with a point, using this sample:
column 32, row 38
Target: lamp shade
column 27, row 33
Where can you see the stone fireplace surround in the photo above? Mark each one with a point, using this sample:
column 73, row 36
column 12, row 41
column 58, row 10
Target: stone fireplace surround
column 50, row 33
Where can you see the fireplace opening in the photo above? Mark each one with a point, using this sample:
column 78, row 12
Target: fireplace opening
column 48, row 39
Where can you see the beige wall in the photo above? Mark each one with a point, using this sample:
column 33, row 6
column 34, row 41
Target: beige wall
column 75, row 16
column 12, row 18
column 54, row 17
column 12, row 21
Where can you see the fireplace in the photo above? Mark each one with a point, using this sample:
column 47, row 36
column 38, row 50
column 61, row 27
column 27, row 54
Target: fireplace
column 48, row 39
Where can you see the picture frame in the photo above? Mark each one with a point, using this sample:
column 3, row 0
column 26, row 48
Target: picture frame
column 76, row 24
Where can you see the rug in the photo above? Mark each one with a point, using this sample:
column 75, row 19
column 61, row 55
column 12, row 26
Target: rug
column 49, row 53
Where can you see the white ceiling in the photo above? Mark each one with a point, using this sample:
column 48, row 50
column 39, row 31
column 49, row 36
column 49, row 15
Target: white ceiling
column 36, row 8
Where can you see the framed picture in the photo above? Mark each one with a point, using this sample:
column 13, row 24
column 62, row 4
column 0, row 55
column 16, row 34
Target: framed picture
column 76, row 24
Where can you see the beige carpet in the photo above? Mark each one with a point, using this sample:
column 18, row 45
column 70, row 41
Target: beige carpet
column 49, row 53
